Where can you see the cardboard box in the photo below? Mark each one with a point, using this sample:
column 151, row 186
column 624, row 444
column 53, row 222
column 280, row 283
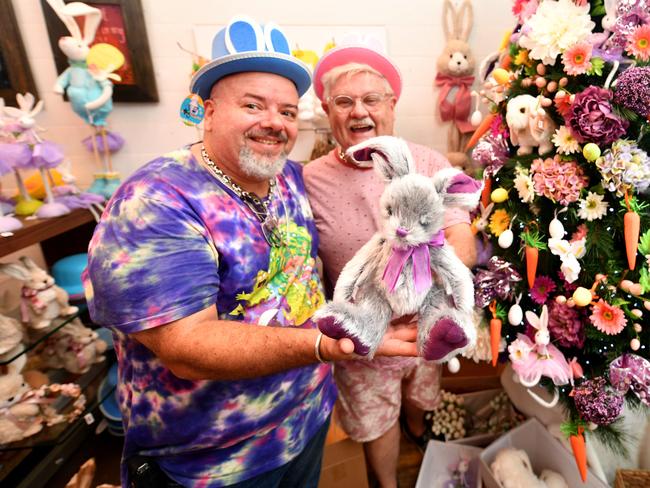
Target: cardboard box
column 439, row 460
column 344, row 466
column 474, row 403
column 544, row 451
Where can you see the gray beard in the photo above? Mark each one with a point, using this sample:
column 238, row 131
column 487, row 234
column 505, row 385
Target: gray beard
column 260, row 167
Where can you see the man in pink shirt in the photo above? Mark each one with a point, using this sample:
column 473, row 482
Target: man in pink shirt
column 359, row 88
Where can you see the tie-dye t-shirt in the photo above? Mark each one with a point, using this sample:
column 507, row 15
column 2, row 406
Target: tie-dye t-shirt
column 174, row 241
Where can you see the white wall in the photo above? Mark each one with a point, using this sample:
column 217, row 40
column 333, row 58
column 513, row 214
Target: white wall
column 414, row 37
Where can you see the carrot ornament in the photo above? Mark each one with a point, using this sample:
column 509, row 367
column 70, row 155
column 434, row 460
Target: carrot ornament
column 631, row 229
column 575, row 432
column 495, row 332
column 532, row 245
column 487, row 190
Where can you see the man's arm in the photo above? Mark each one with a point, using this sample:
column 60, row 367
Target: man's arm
column 201, row 346
column 461, row 238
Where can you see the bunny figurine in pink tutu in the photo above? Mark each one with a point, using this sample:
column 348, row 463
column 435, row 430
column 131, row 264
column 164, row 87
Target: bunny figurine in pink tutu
column 532, row 360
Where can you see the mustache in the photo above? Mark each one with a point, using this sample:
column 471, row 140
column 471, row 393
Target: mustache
column 276, row 134
column 364, row 121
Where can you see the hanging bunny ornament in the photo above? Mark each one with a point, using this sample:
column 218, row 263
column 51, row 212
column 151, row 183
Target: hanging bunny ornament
column 45, row 155
column 87, row 83
column 392, row 274
column 532, row 360
column 455, row 78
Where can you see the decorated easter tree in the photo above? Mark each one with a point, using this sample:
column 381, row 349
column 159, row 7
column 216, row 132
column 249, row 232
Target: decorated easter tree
column 565, row 155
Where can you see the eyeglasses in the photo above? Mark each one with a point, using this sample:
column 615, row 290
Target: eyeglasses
column 371, row 101
column 268, row 222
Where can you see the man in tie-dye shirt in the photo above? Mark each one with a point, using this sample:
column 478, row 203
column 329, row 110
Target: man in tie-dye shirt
column 198, row 251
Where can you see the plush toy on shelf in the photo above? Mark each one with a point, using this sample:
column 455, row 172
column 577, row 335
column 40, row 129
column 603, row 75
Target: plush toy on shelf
column 87, row 83
column 455, row 78
column 392, row 273
column 41, row 300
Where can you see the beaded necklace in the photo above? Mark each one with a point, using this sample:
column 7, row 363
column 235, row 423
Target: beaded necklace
column 259, row 206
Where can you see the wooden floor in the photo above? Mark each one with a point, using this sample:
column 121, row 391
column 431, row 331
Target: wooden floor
column 408, row 465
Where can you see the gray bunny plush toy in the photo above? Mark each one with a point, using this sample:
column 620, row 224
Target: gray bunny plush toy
column 407, row 267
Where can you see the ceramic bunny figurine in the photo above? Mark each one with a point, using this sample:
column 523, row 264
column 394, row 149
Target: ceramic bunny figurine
column 392, row 273
column 24, row 410
column 75, row 348
column 11, row 343
column 455, row 78
column 530, row 126
column 17, row 419
column 42, row 301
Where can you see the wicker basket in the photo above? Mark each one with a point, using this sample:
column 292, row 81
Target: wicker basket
column 632, row 478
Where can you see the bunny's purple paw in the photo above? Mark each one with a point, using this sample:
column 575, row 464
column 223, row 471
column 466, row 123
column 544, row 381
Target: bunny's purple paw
column 446, row 336
column 333, row 328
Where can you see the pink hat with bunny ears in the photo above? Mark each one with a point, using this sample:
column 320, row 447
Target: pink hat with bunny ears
column 358, row 49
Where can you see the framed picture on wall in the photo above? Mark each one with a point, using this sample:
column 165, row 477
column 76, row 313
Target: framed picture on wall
column 15, row 74
column 122, row 26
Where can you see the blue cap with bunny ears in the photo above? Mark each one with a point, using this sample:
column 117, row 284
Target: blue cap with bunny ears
column 246, row 46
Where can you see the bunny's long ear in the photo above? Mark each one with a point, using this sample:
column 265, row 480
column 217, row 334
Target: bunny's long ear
column 15, row 270
column 533, row 319
column 449, row 20
column 28, row 263
column 457, row 189
column 60, row 10
column 391, row 156
column 464, row 20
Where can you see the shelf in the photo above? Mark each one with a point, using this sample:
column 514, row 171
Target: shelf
column 37, row 230
column 56, row 434
column 34, row 341
column 29, row 463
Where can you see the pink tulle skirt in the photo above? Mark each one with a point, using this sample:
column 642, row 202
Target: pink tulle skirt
column 536, row 362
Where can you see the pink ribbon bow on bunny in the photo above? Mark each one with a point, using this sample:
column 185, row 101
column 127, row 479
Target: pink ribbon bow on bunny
column 421, row 263
column 458, row 110
column 30, row 295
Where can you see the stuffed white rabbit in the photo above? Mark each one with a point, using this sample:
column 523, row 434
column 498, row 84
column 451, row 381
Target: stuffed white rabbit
column 530, row 126
column 42, row 301
column 90, row 98
column 392, row 274
column 512, row 469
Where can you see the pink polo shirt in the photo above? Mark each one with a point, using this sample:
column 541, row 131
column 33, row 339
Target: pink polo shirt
column 345, row 202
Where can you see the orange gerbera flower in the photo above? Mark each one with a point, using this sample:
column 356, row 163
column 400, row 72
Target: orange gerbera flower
column 607, row 318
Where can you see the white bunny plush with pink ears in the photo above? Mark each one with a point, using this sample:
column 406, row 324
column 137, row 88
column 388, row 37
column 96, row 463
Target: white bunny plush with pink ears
column 392, row 274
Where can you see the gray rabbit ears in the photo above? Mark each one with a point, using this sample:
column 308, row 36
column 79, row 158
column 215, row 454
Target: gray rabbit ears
column 392, row 159
column 457, row 189
column 390, row 156
column 22, row 272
